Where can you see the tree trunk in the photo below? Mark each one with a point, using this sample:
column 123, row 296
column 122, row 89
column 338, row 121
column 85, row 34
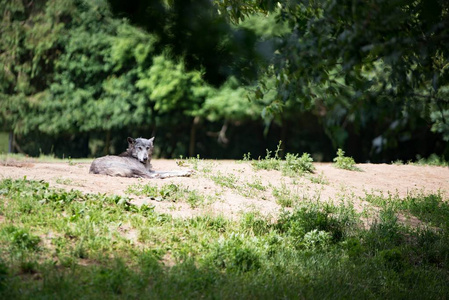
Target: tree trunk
column 284, row 129
column 11, row 137
column 107, row 143
column 195, row 123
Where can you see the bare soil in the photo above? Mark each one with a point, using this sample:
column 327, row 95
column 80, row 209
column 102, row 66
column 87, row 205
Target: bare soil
column 326, row 184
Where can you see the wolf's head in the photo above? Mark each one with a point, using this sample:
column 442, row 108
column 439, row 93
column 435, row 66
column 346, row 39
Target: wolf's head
column 141, row 149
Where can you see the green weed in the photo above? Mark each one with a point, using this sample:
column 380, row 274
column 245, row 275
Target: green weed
column 398, row 162
column 343, row 162
column 229, row 181
column 256, row 185
column 432, row 160
column 296, row 164
column 431, row 209
column 284, row 196
column 168, row 192
column 192, row 162
column 309, row 217
column 235, row 254
column 20, row 238
column 292, row 165
column 320, row 179
column 64, row 181
column 269, row 162
column 246, row 189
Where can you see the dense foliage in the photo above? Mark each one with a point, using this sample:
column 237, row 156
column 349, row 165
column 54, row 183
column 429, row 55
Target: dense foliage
column 226, row 77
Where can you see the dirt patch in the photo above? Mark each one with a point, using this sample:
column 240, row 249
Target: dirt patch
column 251, row 190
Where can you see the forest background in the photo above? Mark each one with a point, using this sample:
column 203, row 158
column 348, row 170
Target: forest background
column 220, row 79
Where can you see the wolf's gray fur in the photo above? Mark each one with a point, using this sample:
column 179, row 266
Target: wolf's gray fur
column 134, row 162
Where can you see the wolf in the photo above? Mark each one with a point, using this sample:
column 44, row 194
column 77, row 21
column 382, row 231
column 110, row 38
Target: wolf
column 134, row 162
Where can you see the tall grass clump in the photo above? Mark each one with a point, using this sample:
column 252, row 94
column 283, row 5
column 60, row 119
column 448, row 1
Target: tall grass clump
column 343, row 162
column 429, row 208
column 432, row 160
column 291, row 166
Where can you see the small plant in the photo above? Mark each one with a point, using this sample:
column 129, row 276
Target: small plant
column 317, row 239
column 64, row 181
column 195, row 163
column 269, row 163
column 284, row 196
column 295, row 164
column 168, row 192
column 229, row 181
column 428, row 208
column 255, row 223
column 21, row 238
column 432, row 160
column 311, row 217
column 343, row 162
column 181, row 162
column 247, row 156
column 292, row 165
column 235, row 254
column 320, row 179
column 70, row 161
column 256, row 185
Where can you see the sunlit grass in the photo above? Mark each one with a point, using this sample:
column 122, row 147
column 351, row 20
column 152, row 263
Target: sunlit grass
column 71, row 245
column 292, row 165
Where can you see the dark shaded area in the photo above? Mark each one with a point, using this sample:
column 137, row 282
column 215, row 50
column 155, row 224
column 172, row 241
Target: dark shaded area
column 195, row 31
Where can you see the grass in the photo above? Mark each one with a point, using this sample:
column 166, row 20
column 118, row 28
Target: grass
column 431, row 209
column 343, row 162
column 293, row 164
column 284, row 196
column 249, row 189
column 432, row 160
column 66, row 244
column 168, row 192
column 196, row 163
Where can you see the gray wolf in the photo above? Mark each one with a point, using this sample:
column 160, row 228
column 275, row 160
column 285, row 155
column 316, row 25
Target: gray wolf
column 134, row 162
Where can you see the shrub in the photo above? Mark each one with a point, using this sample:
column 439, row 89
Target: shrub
column 235, row 254
column 292, row 165
column 296, row 164
column 21, row 238
column 308, row 218
column 343, row 162
column 317, row 239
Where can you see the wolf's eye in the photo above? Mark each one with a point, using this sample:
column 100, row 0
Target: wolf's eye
column 148, row 148
column 140, row 148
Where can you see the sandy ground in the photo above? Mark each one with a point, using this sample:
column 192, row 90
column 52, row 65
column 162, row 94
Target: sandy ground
column 327, row 183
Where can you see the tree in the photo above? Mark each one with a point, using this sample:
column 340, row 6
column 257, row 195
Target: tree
column 394, row 50
column 195, row 31
column 345, row 59
column 369, row 77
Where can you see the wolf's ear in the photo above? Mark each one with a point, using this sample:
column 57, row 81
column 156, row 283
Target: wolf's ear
column 131, row 140
column 152, row 139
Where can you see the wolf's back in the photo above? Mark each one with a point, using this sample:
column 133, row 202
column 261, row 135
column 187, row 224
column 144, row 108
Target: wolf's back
column 112, row 166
